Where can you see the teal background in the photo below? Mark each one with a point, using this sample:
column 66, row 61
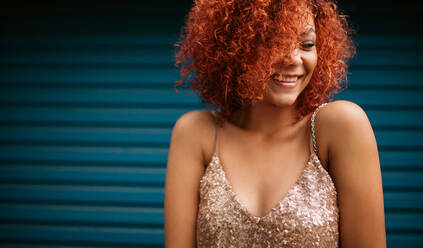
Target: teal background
column 87, row 106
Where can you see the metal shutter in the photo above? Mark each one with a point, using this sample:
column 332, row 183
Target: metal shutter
column 87, row 106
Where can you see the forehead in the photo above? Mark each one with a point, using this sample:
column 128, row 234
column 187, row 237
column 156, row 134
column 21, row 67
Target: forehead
column 307, row 25
column 292, row 21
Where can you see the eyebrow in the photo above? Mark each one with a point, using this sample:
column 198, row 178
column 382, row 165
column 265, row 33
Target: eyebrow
column 310, row 30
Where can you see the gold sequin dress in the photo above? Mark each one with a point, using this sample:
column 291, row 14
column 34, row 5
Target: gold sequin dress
column 307, row 216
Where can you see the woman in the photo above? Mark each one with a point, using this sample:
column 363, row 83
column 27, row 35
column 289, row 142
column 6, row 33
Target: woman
column 273, row 165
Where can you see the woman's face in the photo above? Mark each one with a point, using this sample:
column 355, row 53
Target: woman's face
column 292, row 73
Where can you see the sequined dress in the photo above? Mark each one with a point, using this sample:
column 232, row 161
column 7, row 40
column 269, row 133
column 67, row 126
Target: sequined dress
column 307, row 216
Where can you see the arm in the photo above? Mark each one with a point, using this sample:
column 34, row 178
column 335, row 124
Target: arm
column 184, row 171
column 354, row 165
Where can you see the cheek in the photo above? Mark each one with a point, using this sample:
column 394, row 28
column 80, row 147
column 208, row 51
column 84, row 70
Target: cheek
column 311, row 62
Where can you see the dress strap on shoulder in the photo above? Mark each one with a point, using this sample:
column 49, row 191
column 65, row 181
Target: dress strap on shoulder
column 216, row 137
column 313, row 131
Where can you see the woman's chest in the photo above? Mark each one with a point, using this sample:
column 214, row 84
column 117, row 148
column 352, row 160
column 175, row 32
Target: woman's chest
column 262, row 174
column 308, row 207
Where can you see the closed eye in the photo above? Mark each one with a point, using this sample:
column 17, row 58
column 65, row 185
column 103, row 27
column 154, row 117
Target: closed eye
column 307, row 45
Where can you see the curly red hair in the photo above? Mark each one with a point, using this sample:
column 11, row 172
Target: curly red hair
column 226, row 42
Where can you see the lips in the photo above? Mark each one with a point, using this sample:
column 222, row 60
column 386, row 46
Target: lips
column 286, row 80
column 285, row 77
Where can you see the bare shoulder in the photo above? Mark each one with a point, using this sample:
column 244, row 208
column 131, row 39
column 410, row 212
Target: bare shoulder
column 196, row 130
column 184, row 171
column 340, row 118
column 343, row 112
column 333, row 123
column 193, row 120
column 354, row 166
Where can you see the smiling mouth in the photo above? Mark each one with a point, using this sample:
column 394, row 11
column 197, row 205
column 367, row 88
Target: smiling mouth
column 290, row 79
column 286, row 80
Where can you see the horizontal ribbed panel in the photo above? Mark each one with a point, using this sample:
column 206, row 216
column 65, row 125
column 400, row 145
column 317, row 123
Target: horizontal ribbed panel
column 87, row 106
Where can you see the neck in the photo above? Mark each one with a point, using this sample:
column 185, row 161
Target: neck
column 265, row 119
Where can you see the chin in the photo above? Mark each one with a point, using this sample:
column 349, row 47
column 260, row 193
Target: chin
column 284, row 100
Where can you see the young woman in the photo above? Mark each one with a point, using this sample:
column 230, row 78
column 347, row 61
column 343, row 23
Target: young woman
column 275, row 164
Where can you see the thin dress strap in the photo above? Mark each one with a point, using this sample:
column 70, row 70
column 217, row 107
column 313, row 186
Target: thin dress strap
column 313, row 144
column 216, row 138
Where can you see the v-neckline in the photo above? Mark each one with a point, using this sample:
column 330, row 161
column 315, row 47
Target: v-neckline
column 281, row 201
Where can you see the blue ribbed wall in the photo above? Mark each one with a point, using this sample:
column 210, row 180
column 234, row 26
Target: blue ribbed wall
column 87, row 106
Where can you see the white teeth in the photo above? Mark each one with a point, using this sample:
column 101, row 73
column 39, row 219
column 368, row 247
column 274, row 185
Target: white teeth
column 286, row 79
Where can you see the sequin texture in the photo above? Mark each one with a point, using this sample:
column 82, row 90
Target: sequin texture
column 307, row 216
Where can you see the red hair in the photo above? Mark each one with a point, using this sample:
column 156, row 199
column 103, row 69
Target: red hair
column 226, row 42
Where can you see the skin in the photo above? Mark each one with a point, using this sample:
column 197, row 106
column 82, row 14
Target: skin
column 256, row 148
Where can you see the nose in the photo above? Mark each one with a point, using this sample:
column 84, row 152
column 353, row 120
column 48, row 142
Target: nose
column 291, row 57
column 295, row 57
